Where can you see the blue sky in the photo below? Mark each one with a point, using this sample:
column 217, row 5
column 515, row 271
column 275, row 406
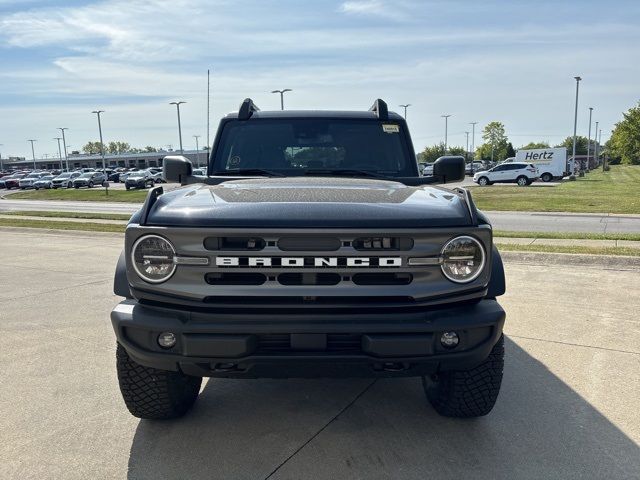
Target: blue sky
column 512, row 61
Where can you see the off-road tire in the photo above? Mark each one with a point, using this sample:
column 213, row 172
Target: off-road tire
column 154, row 394
column 467, row 393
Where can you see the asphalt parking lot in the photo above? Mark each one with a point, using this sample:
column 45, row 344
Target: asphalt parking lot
column 568, row 407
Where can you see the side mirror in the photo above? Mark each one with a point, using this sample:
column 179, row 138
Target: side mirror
column 176, row 169
column 449, row 169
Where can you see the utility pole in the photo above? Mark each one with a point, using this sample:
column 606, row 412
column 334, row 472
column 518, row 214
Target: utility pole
column 1, row 166
column 589, row 140
column 208, row 100
column 282, row 92
column 604, row 158
column 177, row 104
column 197, row 151
column 446, row 125
column 59, row 151
column 98, row 112
column 405, row 110
column 473, row 143
column 33, row 153
column 64, row 143
column 575, row 127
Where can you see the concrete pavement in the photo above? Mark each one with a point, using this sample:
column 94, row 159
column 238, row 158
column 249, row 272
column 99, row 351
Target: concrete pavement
column 567, row 408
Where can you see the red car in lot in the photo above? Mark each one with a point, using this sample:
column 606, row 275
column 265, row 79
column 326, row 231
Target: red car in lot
column 13, row 182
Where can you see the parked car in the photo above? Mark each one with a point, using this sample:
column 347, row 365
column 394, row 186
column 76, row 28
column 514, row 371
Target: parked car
column 428, row 169
column 141, row 179
column 89, row 179
column 46, row 181
column 515, row 172
column 64, row 179
column 156, row 174
column 198, row 171
column 473, row 167
column 123, row 176
column 27, row 181
column 3, row 180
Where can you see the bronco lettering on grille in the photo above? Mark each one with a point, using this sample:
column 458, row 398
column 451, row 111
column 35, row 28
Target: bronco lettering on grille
column 308, row 262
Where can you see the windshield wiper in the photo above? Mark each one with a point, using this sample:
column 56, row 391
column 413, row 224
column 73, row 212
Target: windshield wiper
column 248, row 171
column 347, row 171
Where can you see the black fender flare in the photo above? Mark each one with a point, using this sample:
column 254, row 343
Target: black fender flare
column 497, row 283
column 120, row 281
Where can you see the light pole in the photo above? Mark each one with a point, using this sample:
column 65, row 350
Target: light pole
column 466, row 150
column 98, row 112
column 405, row 110
column 473, row 143
column 589, row 140
column 33, row 153
column 177, row 104
column 59, row 151
column 446, row 126
column 281, row 92
column 1, row 166
column 64, row 144
column 595, row 146
column 197, row 150
column 575, row 127
column 604, row 159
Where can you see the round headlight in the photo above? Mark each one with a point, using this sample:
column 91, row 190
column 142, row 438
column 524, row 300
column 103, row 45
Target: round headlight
column 152, row 258
column 462, row 259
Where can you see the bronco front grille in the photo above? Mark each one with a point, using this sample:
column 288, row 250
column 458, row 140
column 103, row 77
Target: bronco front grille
column 339, row 343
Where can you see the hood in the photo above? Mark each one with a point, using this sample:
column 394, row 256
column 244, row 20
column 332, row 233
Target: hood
column 310, row 202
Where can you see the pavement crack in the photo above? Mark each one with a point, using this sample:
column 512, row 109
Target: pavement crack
column 574, row 344
column 335, row 417
column 93, row 282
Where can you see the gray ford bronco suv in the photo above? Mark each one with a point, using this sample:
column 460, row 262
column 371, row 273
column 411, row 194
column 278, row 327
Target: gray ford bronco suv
column 312, row 248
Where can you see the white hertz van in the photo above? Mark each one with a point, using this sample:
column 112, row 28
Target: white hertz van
column 550, row 162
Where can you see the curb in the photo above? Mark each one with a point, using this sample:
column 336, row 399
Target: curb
column 616, row 262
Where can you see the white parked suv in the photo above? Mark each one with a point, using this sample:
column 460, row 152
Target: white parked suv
column 513, row 172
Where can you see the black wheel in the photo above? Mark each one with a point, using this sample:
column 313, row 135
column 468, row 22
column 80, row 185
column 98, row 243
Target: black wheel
column 522, row 181
column 468, row 393
column 127, row 187
column 90, row 184
column 483, row 181
column 154, row 394
column 76, row 187
column 69, row 185
column 36, row 188
column 546, row 177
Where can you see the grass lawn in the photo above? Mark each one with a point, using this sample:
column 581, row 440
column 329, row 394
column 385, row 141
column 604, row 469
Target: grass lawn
column 87, row 215
column 567, row 235
column 616, row 191
column 86, row 195
column 632, row 252
column 55, row 225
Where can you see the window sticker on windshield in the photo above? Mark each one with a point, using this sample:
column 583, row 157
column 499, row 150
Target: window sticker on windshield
column 388, row 128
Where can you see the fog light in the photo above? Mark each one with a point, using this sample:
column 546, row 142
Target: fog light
column 449, row 339
column 166, row 339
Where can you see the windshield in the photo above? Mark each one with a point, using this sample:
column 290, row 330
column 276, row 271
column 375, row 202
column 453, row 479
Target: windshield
column 64, row 175
column 86, row 175
column 47, row 177
column 33, row 175
column 308, row 146
column 136, row 174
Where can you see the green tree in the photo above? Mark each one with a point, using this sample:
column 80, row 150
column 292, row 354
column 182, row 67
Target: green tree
column 532, row 145
column 117, row 148
column 150, row 149
column 510, row 151
column 92, row 148
column 495, row 143
column 625, row 138
column 581, row 145
column 432, row 153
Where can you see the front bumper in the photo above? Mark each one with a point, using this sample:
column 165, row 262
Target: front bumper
column 237, row 345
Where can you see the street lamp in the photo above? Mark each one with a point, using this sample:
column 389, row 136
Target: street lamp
column 473, row 143
column 595, row 146
column 177, row 104
column 466, row 151
column 1, row 166
column 98, row 112
column 64, row 143
column 589, row 140
column 405, row 109
column 575, row 127
column 33, row 153
column 281, row 92
column 59, row 151
column 197, row 150
column 446, row 125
